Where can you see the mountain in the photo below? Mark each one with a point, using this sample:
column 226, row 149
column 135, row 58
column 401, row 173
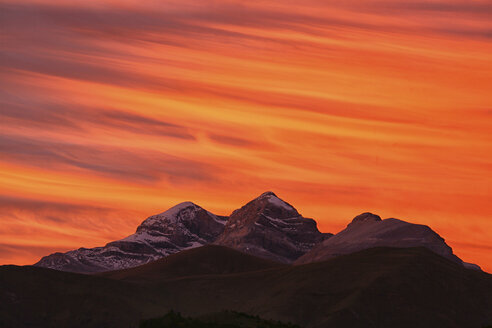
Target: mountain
column 266, row 227
column 269, row 227
column 367, row 230
column 184, row 226
column 206, row 260
column 377, row 287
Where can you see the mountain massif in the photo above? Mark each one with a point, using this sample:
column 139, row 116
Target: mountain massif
column 266, row 227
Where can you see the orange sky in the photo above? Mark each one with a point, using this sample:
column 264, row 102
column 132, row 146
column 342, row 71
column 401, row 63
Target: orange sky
column 112, row 111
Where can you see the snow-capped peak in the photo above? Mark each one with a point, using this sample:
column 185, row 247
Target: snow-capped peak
column 176, row 213
column 268, row 194
column 173, row 211
column 274, row 200
column 270, row 228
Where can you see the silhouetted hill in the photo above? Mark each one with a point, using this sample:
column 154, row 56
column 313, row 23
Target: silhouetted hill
column 206, row 260
column 39, row 297
column 380, row 287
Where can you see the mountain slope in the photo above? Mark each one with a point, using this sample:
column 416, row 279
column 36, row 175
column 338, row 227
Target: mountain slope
column 368, row 230
column 205, row 260
column 184, row 226
column 270, row 228
column 40, row 297
column 379, row 287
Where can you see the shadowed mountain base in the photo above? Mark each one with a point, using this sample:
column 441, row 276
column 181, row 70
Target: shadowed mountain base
column 380, row 287
column 205, row 260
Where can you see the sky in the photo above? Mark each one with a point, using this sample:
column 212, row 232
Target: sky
column 112, row 111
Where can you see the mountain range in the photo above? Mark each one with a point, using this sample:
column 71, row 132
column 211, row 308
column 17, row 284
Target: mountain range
column 264, row 260
column 266, row 227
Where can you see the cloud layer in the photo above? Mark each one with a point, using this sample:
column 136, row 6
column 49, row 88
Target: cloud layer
column 114, row 110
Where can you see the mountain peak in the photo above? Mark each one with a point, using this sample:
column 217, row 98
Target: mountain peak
column 179, row 207
column 366, row 217
column 271, row 228
column 173, row 211
column 270, row 199
column 179, row 212
column 268, row 194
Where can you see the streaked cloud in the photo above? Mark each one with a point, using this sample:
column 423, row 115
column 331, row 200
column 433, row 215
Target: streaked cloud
column 114, row 110
column 130, row 164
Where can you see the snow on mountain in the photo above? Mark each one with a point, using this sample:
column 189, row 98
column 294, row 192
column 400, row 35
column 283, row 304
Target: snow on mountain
column 269, row 227
column 368, row 230
column 183, row 226
column 266, row 227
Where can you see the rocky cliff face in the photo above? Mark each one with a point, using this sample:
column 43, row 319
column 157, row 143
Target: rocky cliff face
column 368, row 230
column 270, row 228
column 184, row 226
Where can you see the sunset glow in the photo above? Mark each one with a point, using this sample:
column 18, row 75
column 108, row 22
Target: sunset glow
column 111, row 111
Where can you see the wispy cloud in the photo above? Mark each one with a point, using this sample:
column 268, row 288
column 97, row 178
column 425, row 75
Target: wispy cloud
column 339, row 106
column 62, row 116
column 121, row 163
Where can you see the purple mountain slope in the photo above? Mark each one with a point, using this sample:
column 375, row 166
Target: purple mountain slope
column 368, row 230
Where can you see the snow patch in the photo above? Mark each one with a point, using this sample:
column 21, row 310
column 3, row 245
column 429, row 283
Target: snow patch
column 216, row 218
column 278, row 202
column 144, row 237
